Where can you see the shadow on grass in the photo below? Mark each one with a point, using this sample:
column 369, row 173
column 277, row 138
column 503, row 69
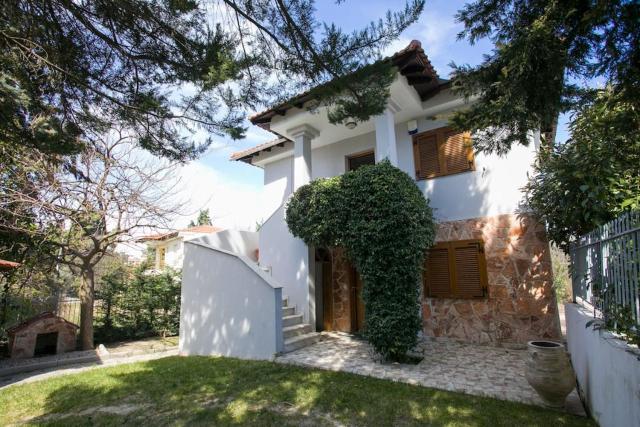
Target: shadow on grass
column 223, row 391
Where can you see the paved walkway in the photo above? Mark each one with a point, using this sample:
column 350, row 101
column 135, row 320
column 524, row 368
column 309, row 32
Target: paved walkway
column 447, row 365
column 27, row 377
column 14, row 371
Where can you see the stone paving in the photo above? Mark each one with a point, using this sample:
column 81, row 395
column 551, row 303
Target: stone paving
column 448, row 365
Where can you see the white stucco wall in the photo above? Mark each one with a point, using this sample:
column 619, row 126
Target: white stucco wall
column 608, row 373
column 236, row 241
column 175, row 254
column 493, row 188
column 229, row 307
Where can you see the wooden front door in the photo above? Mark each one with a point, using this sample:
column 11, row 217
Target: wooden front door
column 357, row 303
column 324, row 290
column 327, row 296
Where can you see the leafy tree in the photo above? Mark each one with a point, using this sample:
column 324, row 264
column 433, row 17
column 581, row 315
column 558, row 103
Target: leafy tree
column 594, row 176
column 71, row 69
column 203, row 219
column 386, row 225
column 88, row 206
column 547, row 53
column 137, row 304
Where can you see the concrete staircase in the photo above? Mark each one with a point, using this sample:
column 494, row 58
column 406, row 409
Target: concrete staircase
column 296, row 333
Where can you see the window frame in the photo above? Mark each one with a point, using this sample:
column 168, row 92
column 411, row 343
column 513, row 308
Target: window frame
column 349, row 157
column 453, row 285
column 162, row 257
column 440, row 144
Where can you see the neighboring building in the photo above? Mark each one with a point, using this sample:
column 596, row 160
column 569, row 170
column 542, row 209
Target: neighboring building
column 169, row 247
column 489, row 277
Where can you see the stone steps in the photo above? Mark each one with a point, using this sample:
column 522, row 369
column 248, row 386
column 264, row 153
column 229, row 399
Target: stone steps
column 293, row 331
column 294, row 319
column 300, row 341
column 296, row 333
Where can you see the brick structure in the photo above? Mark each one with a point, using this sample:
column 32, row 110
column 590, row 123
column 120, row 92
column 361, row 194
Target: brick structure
column 23, row 338
column 520, row 305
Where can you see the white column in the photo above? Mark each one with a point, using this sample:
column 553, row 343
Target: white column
column 304, row 257
column 386, row 137
column 302, row 136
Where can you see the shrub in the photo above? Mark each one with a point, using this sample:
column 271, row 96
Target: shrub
column 138, row 304
column 385, row 224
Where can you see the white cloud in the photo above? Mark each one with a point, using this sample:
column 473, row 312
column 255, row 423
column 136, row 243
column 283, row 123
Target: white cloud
column 231, row 204
column 437, row 32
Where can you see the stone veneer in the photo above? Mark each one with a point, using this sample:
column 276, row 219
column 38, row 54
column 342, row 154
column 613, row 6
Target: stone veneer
column 521, row 303
column 22, row 337
column 342, row 290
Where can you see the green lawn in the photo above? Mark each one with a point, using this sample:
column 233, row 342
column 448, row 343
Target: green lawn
column 222, row 391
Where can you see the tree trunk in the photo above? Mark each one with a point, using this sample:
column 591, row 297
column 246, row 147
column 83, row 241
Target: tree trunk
column 5, row 300
column 86, row 309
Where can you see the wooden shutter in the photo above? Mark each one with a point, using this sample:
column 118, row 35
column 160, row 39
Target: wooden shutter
column 456, row 269
column 457, row 151
column 442, row 151
column 438, row 272
column 470, row 268
column 357, row 160
column 425, row 150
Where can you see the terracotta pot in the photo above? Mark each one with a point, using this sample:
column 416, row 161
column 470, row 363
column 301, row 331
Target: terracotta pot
column 549, row 372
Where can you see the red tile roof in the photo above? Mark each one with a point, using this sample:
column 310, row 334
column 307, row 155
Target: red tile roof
column 172, row 234
column 411, row 62
column 31, row 320
column 202, row 229
column 267, row 146
column 8, row 265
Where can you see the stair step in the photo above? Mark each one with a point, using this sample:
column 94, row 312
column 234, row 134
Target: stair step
column 288, row 311
column 285, row 301
column 294, row 331
column 300, row 341
column 292, row 320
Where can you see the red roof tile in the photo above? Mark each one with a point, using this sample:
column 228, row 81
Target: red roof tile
column 8, row 265
column 31, row 320
column 411, row 62
column 172, row 234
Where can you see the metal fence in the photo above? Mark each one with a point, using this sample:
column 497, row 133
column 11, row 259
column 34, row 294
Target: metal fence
column 605, row 266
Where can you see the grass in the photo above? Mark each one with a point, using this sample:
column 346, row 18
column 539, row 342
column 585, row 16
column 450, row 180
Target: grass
column 223, row 391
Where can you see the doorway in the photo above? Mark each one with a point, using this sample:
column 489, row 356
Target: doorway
column 46, row 344
column 338, row 292
column 324, row 290
column 357, row 303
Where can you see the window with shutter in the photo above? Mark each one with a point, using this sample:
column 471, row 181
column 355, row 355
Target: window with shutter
column 456, row 269
column 442, row 151
column 425, row 149
column 437, row 272
column 357, row 160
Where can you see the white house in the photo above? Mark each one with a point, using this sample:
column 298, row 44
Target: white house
column 504, row 296
column 169, row 247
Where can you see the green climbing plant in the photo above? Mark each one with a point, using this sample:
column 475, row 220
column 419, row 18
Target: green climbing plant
column 383, row 221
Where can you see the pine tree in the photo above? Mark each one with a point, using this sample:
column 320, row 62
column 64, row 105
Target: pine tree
column 203, row 219
column 546, row 57
column 74, row 69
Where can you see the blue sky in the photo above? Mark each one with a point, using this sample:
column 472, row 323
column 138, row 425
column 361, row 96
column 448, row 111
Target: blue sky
column 231, row 190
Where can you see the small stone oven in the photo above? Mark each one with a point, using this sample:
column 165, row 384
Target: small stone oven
column 42, row 335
